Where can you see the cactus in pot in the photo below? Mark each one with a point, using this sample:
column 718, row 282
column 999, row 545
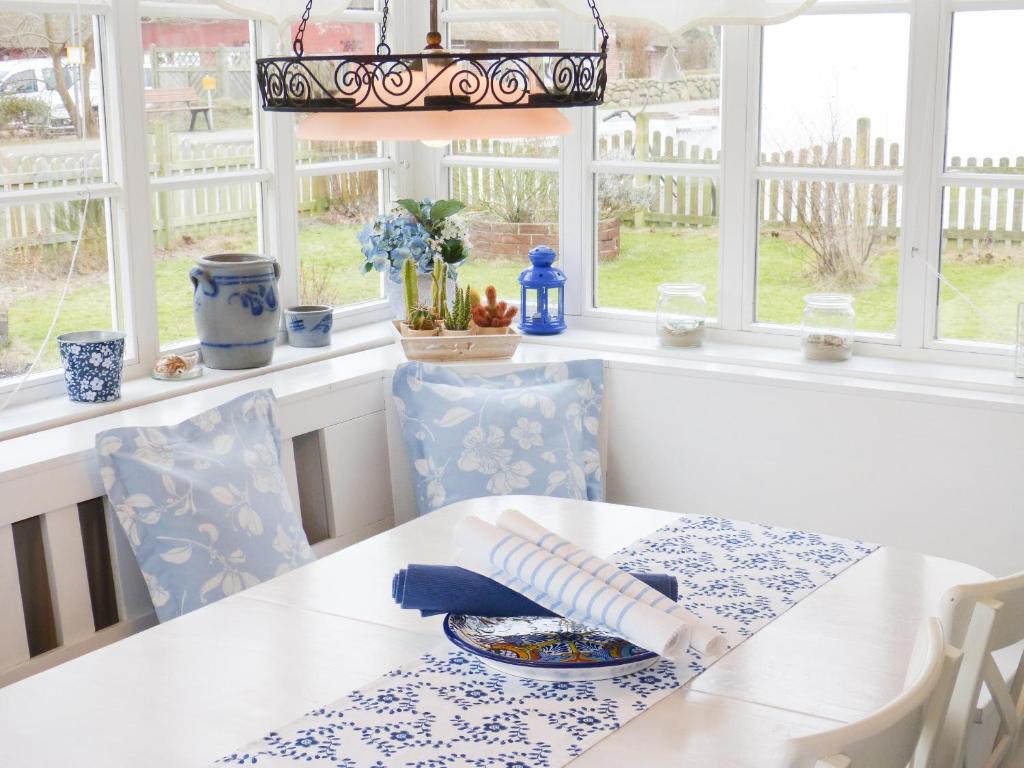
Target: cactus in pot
column 412, row 291
column 457, row 321
column 421, row 319
column 493, row 317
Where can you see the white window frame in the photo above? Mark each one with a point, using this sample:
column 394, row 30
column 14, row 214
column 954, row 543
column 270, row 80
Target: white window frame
column 411, row 170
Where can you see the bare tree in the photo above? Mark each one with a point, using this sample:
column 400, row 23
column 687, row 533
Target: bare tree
column 839, row 222
column 49, row 35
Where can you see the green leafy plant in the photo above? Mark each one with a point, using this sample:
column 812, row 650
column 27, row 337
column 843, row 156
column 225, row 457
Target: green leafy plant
column 445, row 228
column 412, row 290
column 458, row 319
column 493, row 314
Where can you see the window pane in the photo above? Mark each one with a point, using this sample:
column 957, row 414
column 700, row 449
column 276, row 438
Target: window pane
column 663, row 100
column 190, row 223
column 198, row 96
column 983, row 248
column 818, row 236
column 335, row 37
column 509, row 212
column 332, row 211
column 36, row 246
column 485, row 36
column 826, row 99
column 984, row 119
column 51, row 100
column 982, row 264
column 654, row 230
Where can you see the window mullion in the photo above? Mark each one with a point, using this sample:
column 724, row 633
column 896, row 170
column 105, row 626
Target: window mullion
column 926, row 100
column 130, row 169
column 577, row 225
column 280, row 215
column 738, row 216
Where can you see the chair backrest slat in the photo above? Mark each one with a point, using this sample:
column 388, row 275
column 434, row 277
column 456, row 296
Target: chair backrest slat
column 13, row 637
column 980, row 619
column 69, row 582
column 904, row 732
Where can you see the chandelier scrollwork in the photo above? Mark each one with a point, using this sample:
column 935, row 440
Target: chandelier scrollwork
column 432, row 80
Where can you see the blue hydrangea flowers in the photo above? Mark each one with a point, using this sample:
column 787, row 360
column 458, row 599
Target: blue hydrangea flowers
column 421, row 231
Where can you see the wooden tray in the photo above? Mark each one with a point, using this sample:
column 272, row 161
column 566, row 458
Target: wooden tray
column 447, row 348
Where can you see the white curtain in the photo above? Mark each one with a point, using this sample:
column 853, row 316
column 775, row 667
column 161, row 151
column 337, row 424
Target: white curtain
column 678, row 15
column 669, row 15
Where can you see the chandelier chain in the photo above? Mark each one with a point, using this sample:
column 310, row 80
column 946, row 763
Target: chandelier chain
column 297, row 46
column 592, row 4
column 383, row 49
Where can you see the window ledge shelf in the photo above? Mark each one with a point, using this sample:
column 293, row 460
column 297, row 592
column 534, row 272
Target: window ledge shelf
column 56, row 411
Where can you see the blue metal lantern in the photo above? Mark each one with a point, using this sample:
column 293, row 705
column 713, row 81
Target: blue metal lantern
column 542, row 307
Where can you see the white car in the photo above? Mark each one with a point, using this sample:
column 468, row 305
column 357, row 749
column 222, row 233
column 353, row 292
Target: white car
column 34, row 79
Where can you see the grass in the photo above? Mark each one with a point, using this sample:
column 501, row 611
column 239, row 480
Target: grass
column 331, row 264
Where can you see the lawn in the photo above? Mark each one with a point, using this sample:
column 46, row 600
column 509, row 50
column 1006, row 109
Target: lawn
column 332, row 273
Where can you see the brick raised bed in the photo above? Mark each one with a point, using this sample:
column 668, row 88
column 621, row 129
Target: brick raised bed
column 501, row 240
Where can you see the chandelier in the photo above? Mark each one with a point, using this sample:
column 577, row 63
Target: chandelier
column 433, row 81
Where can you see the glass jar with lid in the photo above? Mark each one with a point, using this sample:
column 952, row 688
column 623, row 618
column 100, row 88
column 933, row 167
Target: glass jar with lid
column 828, row 326
column 682, row 314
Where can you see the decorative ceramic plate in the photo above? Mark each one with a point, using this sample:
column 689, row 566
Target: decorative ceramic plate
column 546, row 648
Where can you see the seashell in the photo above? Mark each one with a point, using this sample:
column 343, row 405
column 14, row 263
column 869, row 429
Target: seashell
column 176, row 365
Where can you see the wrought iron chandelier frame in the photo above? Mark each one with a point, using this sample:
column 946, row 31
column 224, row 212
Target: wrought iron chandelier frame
column 449, row 81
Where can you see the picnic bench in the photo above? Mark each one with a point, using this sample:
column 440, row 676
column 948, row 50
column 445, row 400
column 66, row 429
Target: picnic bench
column 178, row 100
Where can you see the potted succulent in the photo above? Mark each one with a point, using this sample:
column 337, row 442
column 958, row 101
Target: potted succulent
column 456, row 322
column 494, row 317
column 419, row 319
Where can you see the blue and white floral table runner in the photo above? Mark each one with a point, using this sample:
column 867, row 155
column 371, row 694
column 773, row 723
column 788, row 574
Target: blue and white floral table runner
column 449, row 710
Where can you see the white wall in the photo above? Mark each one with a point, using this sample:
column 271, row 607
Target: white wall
column 923, row 475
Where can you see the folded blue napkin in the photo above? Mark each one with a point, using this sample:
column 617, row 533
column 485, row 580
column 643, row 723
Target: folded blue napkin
column 434, row 589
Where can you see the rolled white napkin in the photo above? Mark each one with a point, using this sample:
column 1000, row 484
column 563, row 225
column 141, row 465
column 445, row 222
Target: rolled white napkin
column 565, row 589
column 703, row 637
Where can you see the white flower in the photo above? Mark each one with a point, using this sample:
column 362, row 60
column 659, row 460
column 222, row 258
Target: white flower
column 266, row 473
column 527, row 433
column 157, row 593
column 435, row 481
column 510, row 479
column 95, row 359
column 206, row 421
column 592, row 463
column 151, row 447
column 133, row 512
column 96, row 384
column 484, row 454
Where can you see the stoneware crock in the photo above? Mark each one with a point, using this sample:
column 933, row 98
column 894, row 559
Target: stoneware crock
column 236, row 309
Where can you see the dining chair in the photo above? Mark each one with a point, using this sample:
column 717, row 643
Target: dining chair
column 982, row 620
column 904, row 732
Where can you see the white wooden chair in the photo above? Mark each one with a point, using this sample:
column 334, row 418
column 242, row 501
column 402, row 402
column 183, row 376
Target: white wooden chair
column 903, row 732
column 981, row 620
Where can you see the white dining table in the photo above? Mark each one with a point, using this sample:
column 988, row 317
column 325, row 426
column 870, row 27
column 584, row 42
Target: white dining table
column 196, row 688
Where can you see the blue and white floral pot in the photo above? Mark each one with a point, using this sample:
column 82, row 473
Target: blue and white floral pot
column 309, row 325
column 236, row 309
column 92, row 363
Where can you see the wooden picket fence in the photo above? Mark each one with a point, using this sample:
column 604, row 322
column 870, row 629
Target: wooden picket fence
column 971, row 214
column 200, row 210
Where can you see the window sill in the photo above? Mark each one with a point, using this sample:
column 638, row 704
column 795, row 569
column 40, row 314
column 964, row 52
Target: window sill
column 58, row 410
column 919, row 379
column 957, row 384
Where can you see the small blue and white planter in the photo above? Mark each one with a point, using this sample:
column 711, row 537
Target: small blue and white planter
column 309, row 325
column 92, row 362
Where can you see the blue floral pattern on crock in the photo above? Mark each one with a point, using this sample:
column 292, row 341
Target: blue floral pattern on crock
column 204, row 504
column 256, row 300
column 532, row 431
column 449, row 710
